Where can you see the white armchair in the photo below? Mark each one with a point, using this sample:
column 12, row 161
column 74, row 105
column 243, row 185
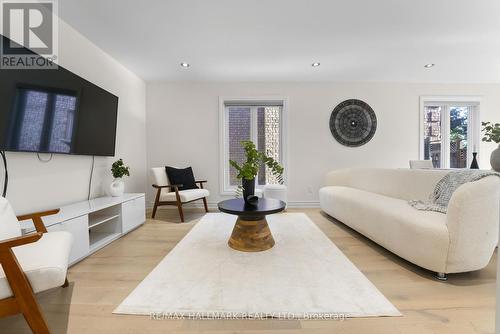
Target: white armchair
column 169, row 194
column 29, row 264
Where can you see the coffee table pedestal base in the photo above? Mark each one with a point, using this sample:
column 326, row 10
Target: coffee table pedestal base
column 251, row 236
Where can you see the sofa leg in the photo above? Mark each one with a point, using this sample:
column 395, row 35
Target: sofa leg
column 66, row 283
column 442, row 276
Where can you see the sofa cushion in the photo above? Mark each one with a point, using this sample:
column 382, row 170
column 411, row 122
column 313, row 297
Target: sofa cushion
column 185, row 195
column 420, row 237
column 9, row 226
column 45, row 262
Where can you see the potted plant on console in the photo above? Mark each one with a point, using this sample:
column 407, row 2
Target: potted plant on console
column 119, row 170
column 248, row 170
column 492, row 134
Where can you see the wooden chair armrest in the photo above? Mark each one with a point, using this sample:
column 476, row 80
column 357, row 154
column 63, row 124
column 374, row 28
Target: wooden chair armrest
column 38, row 214
column 168, row 186
column 14, row 242
column 201, row 183
column 36, row 217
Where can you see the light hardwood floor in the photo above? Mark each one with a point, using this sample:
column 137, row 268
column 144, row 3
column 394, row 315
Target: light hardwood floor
column 464, row 304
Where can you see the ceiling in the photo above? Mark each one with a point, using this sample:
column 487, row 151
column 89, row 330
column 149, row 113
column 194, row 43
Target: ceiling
column 278, row 40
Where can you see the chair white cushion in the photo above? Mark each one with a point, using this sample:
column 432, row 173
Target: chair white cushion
column 45, row 262
column 158, row 176
column 9, row 226
column 185, row 195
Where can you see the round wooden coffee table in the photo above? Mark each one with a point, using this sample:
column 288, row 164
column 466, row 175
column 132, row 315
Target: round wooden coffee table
column 251, row 232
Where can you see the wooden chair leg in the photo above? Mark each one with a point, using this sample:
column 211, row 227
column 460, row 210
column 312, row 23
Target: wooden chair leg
column 155, row 207
column 157, row 199
column 179, row 206
column 205, row 204
column 35, row 320
column 23, row 293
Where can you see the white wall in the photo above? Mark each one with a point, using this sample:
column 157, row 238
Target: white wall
column 34, row 185
column 183, row 127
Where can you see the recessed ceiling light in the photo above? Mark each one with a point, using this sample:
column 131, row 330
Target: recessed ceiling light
column 316, row 64
column 429, row 65
column 184, row 64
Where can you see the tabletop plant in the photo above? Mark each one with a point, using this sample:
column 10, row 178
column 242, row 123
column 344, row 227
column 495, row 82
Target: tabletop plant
column 248, row 170
column 119, row 170
column 491, row 132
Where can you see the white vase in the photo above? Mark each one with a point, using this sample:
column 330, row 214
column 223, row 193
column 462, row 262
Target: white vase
column 495, row 159
column 117, row 187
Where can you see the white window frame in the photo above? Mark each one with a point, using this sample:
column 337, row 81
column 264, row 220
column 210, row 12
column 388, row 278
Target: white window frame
column 225, row 188
column 474, row 126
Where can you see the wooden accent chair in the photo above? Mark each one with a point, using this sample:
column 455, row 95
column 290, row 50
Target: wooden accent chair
column 169, row 194
column 29, row 264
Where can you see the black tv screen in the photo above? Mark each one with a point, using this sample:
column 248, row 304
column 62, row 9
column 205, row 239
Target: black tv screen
column 55, row 111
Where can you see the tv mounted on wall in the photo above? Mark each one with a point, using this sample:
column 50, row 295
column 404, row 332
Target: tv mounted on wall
column 55, row 111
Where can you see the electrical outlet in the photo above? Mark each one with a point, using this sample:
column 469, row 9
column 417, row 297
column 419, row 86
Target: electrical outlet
column 310, row 189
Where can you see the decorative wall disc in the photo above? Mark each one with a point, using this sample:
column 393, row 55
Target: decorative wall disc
column 353, row 123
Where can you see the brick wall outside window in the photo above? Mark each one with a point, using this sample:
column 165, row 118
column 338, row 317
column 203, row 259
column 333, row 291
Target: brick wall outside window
column 268, row 137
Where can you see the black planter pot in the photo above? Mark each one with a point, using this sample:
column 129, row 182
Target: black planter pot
column 248, row 188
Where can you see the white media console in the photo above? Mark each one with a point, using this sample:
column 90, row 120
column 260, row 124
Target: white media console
column 95, row 223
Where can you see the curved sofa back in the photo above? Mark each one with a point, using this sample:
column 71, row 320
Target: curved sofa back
column 406, row 184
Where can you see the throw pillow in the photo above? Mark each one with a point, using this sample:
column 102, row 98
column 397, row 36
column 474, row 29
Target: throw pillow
column 182, row 176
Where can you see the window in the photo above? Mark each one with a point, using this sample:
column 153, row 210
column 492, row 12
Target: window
column 450, row 131
column 259, row 121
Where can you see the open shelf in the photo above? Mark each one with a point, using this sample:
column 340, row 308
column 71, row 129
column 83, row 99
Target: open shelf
column 100, row 239
column 104, row 226
column 97, row 220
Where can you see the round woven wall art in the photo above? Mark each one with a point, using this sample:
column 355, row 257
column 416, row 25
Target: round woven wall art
column 353, row 123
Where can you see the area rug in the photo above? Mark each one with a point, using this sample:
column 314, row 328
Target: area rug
column 304, row 276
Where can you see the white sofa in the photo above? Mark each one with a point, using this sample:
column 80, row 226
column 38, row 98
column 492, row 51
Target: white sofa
column 374, row 202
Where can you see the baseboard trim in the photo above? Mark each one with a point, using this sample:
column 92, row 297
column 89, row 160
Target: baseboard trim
column 303, row 204
column 213, row 205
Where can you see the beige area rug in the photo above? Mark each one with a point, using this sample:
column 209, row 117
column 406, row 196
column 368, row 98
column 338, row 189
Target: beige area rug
column 303, row 276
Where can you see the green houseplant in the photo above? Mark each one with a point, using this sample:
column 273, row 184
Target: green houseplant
column 118, row 170
column 492, row 134
column 248, row 170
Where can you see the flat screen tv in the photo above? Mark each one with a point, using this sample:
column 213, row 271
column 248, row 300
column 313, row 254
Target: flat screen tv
column 55, row 111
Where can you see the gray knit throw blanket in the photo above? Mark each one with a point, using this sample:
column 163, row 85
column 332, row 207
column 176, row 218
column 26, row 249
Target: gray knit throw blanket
column 440, row 197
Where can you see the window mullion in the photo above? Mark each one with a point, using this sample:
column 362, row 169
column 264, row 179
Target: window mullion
column 254, row 131
column 445, row 139
column 226, row 181
column 470, row 135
